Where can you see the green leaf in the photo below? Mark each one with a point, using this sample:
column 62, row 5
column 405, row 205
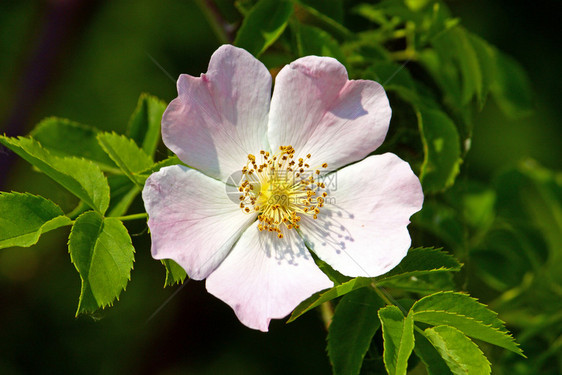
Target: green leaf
column 423, row 284
column 102, row 252
column 63, row 137
column 445, row 74
column 337, row 291
column 421, row 261
column 392, row 76
column 353, row 326
column 476, row 203
column 126, row 154
column 458, row 56
column 512, row 89
column 79, row 176
column 431, row 358
column 466, row 314
column 332, row 274
column 442, row 151
column 175, row 274
column 144, row 124
column 263, row 25
column 172, row 160
column 454, row 65
column 486, row 61
column 25, row 217
column 443, row 222
column 314, row 41
column 398, row 335
column 459, row 352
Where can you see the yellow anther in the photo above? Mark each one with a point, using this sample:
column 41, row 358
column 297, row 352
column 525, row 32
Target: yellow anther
column 280, row 189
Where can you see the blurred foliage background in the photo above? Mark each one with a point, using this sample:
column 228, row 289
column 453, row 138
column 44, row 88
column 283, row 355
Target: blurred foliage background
column 89, row 61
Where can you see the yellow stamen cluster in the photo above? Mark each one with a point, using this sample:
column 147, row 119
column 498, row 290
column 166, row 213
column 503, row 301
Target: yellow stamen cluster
column 281, row 189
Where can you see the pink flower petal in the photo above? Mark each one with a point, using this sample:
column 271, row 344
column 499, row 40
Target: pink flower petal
column 363, row 231
column 220, row 117
column 317, row 110
column 191, row 219
column 265, row 277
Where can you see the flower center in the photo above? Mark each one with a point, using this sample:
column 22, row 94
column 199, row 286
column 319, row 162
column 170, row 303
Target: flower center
column 281, row 189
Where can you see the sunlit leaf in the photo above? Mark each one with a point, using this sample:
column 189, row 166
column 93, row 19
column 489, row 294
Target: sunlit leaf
column 459, row 352
column 175, row 274
column 143, row 175
column 25, row 217
column 421, row 261
column 263, row 25
column 423, row 284
column 337, row 291
column 466, row 314
column 144, row 124
column 434, row 363
column 79, row 176
column 102, row 252
column 62, row 137
column 398, row 335
column 126, row 154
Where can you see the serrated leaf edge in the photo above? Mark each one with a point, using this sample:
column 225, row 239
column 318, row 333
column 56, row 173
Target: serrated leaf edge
column 40, row 230
column 502, row 329
column 462, row 333
column 101, row 210
column 133, row 176
column 101, row 306
column 506, row 334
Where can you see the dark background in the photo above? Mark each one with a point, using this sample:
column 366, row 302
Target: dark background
column 89, row 61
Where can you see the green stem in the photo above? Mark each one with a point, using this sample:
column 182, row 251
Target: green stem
column 383, row 296
column 215, row 20
column 327, row 311
column 388, row 300
column 419, row 329
column 132, row 217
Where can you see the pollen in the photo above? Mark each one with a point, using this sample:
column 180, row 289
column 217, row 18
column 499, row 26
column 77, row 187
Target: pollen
column 281, row 189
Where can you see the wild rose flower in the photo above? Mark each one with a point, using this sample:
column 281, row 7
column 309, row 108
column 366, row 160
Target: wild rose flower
column 303, row 181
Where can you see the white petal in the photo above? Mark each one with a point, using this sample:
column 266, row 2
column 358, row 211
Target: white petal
column 265, row 277
column 317, row 110
column 362, row 229
column 192, row 219
column 220, row 117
